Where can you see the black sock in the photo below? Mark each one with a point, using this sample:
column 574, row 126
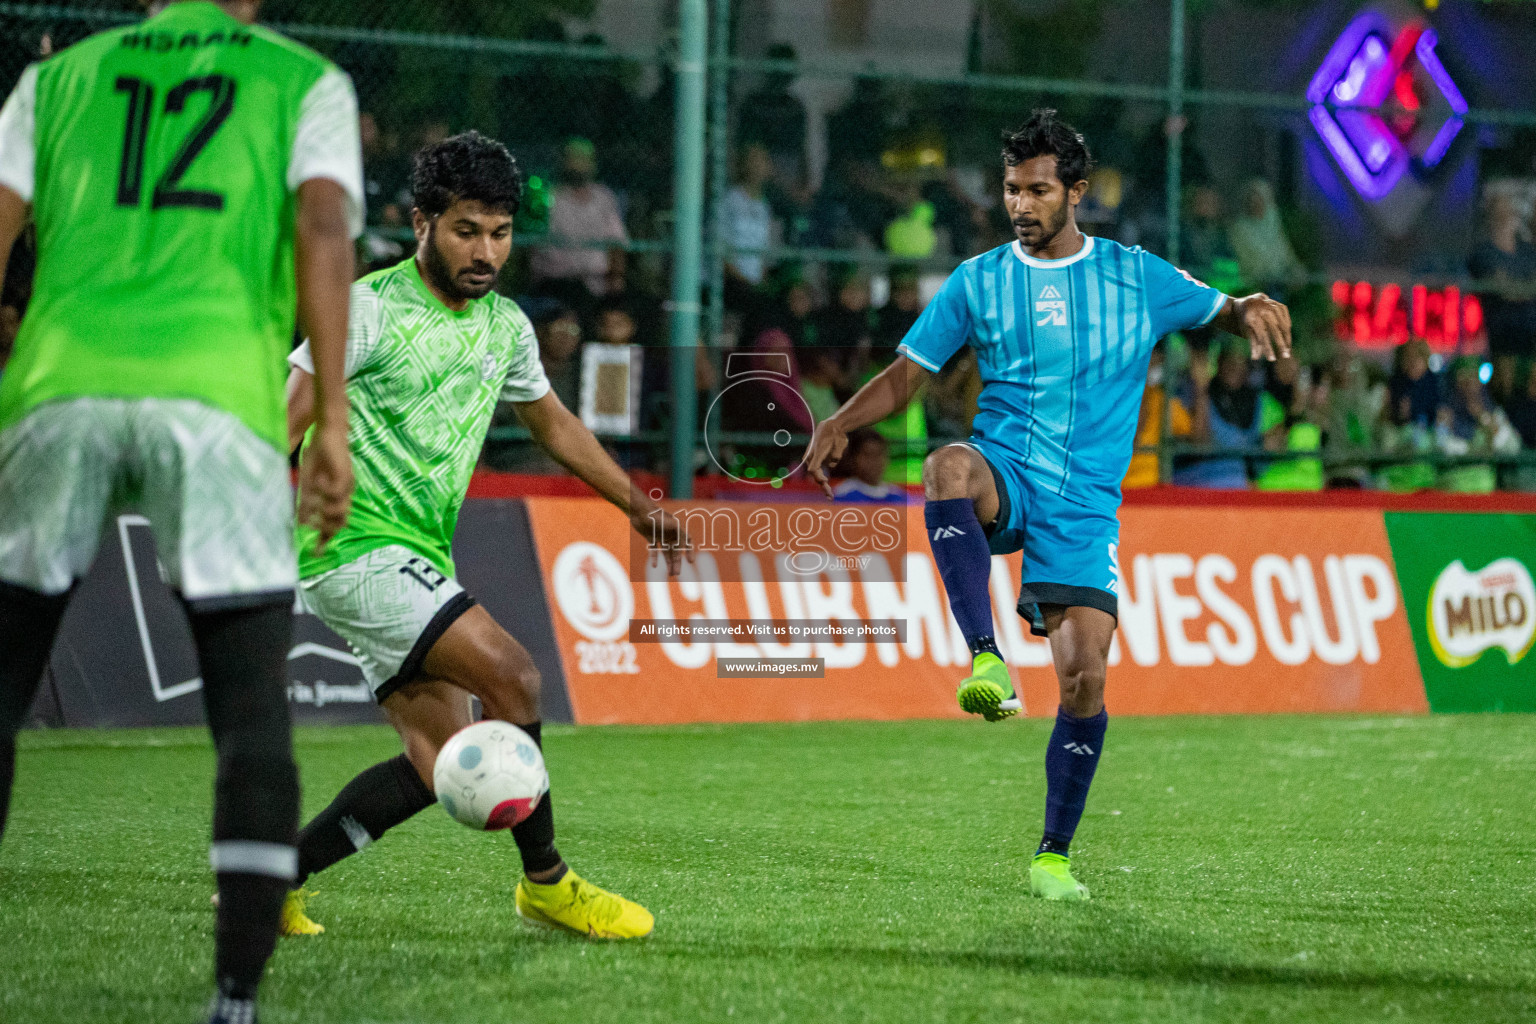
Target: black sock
column 1071, row 758
column 371, row 804
column 28, row 623
column 535, row 835
column 243, row 656
column 985, row 645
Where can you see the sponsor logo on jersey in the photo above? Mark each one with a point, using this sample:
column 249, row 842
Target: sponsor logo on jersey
column 1052, row 307
column 593, row 591
column 1473, row 612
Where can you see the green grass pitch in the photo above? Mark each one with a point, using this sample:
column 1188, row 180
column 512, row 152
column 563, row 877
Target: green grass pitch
column 1307, row 869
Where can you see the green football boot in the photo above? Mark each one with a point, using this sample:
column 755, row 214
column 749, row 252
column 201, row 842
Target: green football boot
column 988, row 691
column 1050, row 878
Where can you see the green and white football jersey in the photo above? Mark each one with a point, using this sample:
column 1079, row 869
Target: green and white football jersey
column 161, row 160
column 422, row 381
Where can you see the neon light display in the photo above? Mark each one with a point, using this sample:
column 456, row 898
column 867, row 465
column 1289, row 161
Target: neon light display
column 1376, row 317
column 1383, row 102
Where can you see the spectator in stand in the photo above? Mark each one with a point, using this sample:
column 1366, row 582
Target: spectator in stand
column 1522, row 410
column 1508, row 261
column 1468, row 423
column 585, row 213
column 1228, row 413
column 911, row 236
column 852, row 209
column 558, row 331
column 1264, row 254
column 748, row 225
column 1352, row 410
column 1522, row 416
column 898, row 314
column 1408, row 418
column 1413, row 391
column 821, row 381
column 846, row 327
column 1207, row 253
column 1289, row 422
column 1145, row 468
column 774, row 118
column 856, row 130
column 865, row 464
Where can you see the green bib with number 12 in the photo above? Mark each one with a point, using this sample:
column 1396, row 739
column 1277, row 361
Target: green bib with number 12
column 164, row 218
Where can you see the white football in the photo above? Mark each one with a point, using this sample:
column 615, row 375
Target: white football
column 490, row 776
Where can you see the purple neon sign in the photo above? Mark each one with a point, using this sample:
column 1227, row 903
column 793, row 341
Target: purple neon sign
column 1367, row 107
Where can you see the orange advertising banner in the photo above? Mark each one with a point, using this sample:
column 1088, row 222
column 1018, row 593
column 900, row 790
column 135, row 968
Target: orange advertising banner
column 1222, row 610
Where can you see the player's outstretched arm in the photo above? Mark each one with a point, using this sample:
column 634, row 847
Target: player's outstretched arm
column 324, row 260
column 888, row 391
column 561, row 433
column 1263, row 321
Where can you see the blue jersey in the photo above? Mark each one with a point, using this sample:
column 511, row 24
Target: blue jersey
column 1063, row 347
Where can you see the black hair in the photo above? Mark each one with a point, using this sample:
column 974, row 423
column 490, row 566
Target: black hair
column 466, row 166
column 857, row 439
column 1045, row 135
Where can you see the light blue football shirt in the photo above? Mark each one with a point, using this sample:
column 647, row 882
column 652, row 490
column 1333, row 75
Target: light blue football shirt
column 1063, row 347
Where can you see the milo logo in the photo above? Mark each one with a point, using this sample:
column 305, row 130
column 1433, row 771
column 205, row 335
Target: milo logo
column 1471, row 612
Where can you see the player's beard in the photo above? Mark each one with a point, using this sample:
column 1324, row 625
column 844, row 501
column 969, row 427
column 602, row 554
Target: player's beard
column 443, row 277
column 1048, row 229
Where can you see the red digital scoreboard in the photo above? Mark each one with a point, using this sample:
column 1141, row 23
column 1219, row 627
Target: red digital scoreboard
column 1377, row 316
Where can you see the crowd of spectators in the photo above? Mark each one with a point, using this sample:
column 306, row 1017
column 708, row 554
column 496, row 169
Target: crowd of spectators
column 1346, row 423
column 890, row 192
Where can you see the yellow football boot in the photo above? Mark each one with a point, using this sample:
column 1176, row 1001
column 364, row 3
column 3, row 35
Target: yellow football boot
column 574, row 904
column 294, row 921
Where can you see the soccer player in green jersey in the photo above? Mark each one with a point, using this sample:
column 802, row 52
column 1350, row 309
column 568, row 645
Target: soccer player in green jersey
column 430, row 351
column 196, row 184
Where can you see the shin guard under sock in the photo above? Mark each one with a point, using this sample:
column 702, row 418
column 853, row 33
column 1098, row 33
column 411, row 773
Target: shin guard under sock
column 1070, row 761
column 371, row 804
column 965, row 564
column 535, row 835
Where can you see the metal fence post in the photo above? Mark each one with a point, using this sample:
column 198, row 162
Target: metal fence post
column 1175, row 121
column 687, row 229
column 719, row 162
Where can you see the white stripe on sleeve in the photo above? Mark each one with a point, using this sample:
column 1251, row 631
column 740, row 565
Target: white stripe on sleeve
column 18, row 136
column 328, row 145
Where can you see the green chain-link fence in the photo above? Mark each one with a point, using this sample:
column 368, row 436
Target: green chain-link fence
column 849, row 177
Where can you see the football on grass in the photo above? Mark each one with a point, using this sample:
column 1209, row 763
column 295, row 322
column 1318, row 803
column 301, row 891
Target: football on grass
column 490, row 776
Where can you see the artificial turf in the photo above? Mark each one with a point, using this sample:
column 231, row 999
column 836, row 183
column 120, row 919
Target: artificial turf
column 1243, row 869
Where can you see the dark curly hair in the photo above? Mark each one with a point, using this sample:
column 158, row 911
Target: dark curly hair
column 466, row 166
column 1045, row 135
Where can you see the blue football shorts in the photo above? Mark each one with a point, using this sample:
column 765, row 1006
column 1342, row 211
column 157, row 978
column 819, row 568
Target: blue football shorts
column 1069, row 549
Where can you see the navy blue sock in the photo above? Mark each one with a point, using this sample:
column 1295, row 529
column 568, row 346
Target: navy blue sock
column 965, row 564
column 1070, row 760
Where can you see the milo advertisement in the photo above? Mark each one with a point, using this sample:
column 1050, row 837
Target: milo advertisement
column 1468, row 591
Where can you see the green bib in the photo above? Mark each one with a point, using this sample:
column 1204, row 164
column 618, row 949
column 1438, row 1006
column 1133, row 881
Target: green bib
column 164, row 218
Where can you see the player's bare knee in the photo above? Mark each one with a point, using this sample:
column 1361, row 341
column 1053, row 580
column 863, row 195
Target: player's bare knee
column 1082, row 687
column 947, row 473
column 516, row 687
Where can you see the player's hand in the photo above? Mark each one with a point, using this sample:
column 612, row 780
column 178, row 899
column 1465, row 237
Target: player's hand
column 1267, row 326
column 325, row 483
column 827, row 446
column 664, row 536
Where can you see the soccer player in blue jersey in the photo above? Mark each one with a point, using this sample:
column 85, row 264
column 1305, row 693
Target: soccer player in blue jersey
column 1063, row 326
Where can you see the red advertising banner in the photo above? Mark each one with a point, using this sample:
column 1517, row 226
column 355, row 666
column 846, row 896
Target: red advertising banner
column 1222, row 610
